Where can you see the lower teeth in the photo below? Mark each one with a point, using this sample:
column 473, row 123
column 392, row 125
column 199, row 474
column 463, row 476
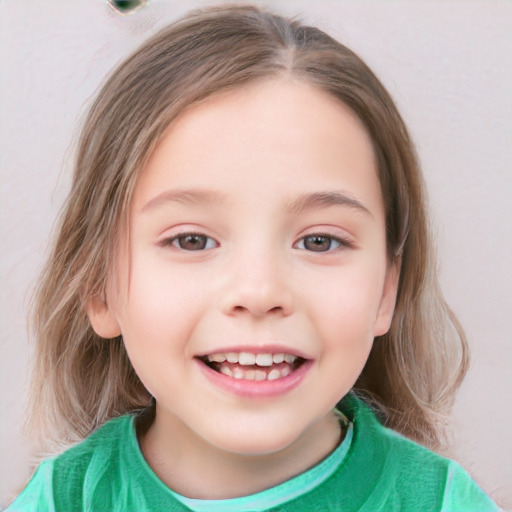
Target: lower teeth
column 258, row 375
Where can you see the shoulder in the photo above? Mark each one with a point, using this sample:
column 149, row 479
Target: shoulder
column 408, row 476
column 78, row 466
column 59, row 482
column 418, row 471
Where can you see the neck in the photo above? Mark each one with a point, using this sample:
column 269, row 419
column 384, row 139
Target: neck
column 194, row 468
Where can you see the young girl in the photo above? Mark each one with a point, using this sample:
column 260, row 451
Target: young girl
column 241, row 302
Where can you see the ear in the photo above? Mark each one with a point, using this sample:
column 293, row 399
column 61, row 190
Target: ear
column 388, row 299
column 101, row 317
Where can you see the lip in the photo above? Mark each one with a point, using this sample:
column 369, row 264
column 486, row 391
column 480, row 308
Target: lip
column 256, row 389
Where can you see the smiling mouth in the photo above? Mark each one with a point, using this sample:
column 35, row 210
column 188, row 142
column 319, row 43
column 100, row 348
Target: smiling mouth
column 250, row 366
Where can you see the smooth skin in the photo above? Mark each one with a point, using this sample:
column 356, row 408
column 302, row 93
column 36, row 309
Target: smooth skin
column 270, row 262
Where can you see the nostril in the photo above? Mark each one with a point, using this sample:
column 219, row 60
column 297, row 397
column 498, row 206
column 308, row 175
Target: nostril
column 257, row 310
column 254, row 297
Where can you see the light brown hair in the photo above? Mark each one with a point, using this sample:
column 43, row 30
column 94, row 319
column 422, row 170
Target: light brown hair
column 81, row 380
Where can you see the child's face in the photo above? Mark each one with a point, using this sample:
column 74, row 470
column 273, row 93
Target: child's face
column 257, row 227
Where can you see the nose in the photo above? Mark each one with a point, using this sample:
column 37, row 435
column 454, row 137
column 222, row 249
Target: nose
column 258, row 286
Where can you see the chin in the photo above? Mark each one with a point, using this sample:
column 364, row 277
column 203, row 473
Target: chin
column 256, row 443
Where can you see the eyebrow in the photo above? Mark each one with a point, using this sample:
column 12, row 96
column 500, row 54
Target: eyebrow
column 325, row 199
column 304, row 202
column 185, row 196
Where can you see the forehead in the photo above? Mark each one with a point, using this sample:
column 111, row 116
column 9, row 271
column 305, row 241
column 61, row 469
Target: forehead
column 267, row 136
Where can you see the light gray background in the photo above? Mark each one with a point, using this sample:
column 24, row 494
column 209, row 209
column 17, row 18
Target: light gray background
column 447, row 64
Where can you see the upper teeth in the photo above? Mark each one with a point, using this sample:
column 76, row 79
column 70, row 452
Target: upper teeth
column 249, row 358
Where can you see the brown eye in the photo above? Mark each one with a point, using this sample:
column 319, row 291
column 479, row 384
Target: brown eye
column 319, row 243
column 193, row 242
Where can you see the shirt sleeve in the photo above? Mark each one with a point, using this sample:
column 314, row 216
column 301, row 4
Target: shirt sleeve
column 462, row 494
column 37, row 496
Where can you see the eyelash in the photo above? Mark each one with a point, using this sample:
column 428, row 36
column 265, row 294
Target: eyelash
column 340, row 243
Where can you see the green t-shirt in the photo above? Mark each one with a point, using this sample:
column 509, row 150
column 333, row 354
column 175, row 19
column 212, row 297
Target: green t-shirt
column 374, row 469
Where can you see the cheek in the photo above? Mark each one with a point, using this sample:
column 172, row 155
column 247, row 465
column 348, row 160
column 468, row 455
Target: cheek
column 345, row 322
column 348, row 302
column 160, row 309
column 157, row 320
